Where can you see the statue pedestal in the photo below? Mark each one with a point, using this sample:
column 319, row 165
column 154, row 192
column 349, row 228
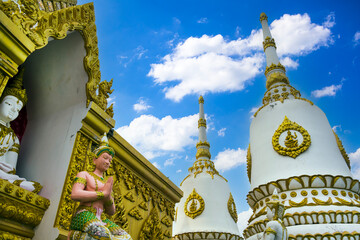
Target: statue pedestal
column 20, row 211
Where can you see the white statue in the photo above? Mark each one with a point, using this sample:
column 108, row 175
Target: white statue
column 11, row 102
column 275, row 228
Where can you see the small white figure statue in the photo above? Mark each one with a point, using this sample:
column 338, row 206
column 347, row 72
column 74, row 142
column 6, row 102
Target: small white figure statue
column 11, row 102
column 275, row 228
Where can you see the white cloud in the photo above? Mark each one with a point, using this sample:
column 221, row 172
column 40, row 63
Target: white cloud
column 178, row 171
column 355, row 163
column 289, row 63
column 140, row 51
column 170, row 160
column 176, row 21
column 212, row 64
column 355, row 157
column 329, row 20
column 230, row 158
column 202, row 20
column 243, row 218
column 356, row 38
column 253, row 111
column 111, row 100
column 221, row 132
column 326, row 91
column 336, row 128
column 297, row 35
column 237, row 31
column 156, row 165
column 141, row 105
column 154, row 137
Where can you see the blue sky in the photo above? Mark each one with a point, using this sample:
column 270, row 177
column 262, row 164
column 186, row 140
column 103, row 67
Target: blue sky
column 163, row 54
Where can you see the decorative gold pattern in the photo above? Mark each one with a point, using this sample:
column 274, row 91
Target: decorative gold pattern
column 294, row 149
column 276, row 77
column 269, row 230
column 28, row 208
column 39, row 26
column 67, row 205
column 202, row 165
column 201, row 123
column 201, row 99
column 273, row 67
column 326, row 236
column 232, row 208
column 263, row 17
column 135, row 213
column 10, row 236
column 203, row 152
column 270, row 97
column 342, row 150
column 300, row 218
column 304, row 182
column 207, row 235
column 248, row 163
column 197, row 205
column 269, row 42
column 203, row 144
column 152, row 227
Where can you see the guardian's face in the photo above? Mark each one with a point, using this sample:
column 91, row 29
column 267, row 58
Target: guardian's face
column 10, row 108
column 103, row 161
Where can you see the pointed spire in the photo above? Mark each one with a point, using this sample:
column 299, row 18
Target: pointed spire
column 202, row 121
column 202, row 146
column 275, row 71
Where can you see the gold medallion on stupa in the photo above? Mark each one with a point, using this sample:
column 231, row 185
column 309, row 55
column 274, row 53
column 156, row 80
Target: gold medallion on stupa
column 290, row 139
column 194, row 205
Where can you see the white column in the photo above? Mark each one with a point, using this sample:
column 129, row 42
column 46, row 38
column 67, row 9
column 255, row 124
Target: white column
column 270, row 52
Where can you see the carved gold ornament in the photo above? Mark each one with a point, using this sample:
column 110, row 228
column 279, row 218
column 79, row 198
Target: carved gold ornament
column 296, row 141
column 232, row 208
column 248, row 163
column 194, row 205
column 342, row 150
column 269, row 42
column 40, row 26
column 207, row 235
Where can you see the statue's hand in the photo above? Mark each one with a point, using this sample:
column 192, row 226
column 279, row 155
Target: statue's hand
column 108, row 188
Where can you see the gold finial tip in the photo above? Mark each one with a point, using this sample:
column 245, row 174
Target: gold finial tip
column 201, row 99
column 263, row 17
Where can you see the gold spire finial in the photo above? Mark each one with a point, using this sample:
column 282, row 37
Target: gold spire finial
column 263, row 17
column 201, row 99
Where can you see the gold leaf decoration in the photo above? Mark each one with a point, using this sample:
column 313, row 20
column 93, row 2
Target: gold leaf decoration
column 194, row 205
column 342, row 150
column 232, row 208
column 151, row 229
column 248, row 165
column 292, row 147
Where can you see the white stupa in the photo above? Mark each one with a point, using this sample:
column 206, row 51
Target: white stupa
column 207, row 209
column 294, row 149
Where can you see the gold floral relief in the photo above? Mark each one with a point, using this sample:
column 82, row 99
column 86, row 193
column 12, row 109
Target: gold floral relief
column 232, row 208
column 248, row 163
column 296, row 141
column 342, row 150
column 194, row 205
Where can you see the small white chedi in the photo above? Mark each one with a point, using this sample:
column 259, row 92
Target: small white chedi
column 207, row 209
column 11, row 102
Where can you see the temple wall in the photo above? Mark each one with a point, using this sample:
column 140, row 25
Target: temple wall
column 55, row 81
